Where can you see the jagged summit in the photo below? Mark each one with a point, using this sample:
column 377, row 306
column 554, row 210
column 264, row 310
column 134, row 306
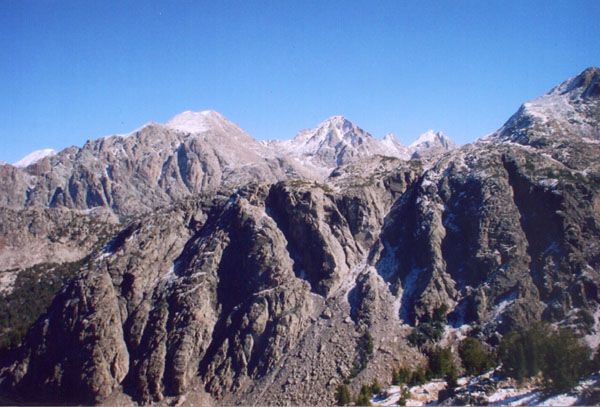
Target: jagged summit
column 430, row 143
column 333, row 128
column 335, row 141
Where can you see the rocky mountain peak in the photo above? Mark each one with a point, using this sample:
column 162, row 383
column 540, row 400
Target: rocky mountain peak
column 338, row 128
column 570, row 111
column 585, row 85
column 335, row 141
column 337, row 122
column 430, row 144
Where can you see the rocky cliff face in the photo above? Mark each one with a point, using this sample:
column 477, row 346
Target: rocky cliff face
column 502, row 236
column 210, row 294
column 276, row 291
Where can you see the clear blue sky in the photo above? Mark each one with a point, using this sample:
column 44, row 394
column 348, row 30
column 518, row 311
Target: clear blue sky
column 76, row 70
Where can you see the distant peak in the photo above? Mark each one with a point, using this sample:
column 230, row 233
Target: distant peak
column 194, row 122
column 390, row 137
column 430, row 137
column 337, row 122
column 34, row 157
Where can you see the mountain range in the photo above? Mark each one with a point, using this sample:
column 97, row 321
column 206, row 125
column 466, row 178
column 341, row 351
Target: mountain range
column 193, row 152
column 198, row 265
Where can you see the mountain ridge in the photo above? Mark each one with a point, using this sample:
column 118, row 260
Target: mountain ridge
column 200, row 121
column 277, row 291
column 190, row 153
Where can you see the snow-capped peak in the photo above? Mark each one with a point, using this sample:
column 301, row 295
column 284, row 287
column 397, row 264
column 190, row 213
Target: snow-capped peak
column 194, row 122
column 390, row 137
column 336, row 121
column 431, row 138
column 330, row 132
column 34, row 157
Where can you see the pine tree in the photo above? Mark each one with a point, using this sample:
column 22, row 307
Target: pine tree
column 400, row 376
column 441, row 362
column 404, row 396
column 566, row 361
column 364, row 397
column 475, row 358
column 343, row 395
column 375, row 387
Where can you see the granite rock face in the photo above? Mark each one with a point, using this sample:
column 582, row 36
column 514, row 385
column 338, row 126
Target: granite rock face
column 215, row 292
column 276, row 291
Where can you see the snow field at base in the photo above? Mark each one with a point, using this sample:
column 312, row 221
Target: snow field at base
column 505, row 395
column 420, row 395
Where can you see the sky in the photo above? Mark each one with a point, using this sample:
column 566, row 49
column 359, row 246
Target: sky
column 77, row 70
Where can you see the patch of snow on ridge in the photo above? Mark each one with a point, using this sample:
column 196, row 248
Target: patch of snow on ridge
column 34, row 157
column 131, row 133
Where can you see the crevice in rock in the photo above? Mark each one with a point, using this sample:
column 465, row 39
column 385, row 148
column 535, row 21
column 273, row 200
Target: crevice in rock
column 306, row 246
column 542, row 225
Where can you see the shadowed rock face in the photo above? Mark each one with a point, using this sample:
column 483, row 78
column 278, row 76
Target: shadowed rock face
column 487, row 226
column 266, row 293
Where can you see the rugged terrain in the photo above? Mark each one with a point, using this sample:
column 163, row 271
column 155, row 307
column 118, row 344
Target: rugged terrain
column 270, row 274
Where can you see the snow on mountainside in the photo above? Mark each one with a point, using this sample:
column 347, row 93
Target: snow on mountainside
column 486, row 389
column 393, row 145
column 563, row 100
column 563, row 123
column 34, row 157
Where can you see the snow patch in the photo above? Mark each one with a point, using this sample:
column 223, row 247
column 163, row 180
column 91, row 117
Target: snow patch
column 194, row 122
column 34, row 157
column 7, row 281
column 593, row 339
